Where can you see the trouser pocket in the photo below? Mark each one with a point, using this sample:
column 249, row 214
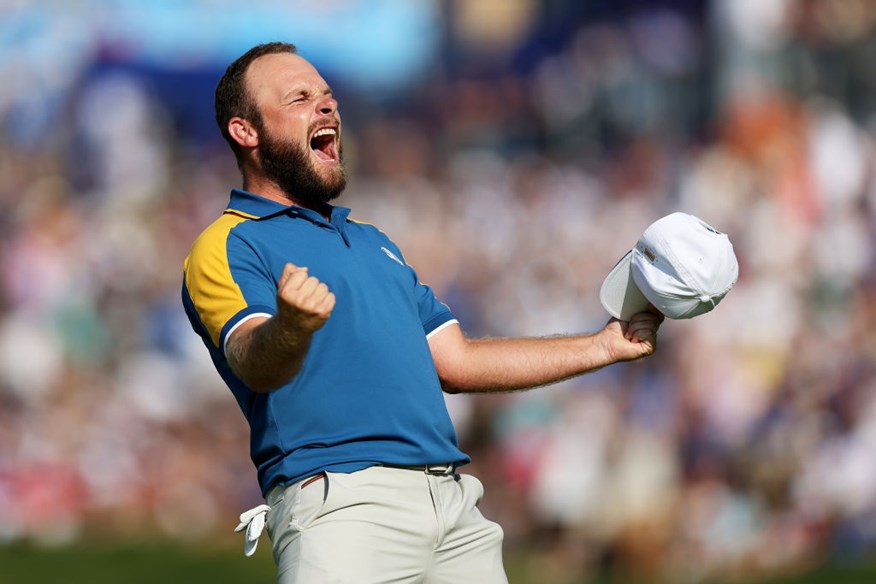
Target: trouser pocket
column 300, row 504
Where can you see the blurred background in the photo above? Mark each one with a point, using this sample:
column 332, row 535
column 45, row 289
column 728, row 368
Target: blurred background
column 515, row 149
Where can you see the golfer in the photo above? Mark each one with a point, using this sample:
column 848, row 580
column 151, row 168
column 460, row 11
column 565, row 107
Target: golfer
column 338, row 355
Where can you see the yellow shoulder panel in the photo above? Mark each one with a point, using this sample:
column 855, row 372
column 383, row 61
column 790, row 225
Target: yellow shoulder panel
column 215, row 294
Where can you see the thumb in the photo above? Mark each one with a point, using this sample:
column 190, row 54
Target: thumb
column 288, row 270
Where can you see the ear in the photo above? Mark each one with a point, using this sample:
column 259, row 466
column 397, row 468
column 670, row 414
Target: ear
column 243, row 132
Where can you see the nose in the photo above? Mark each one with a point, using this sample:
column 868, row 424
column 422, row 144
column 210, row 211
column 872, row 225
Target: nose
column 327, row 106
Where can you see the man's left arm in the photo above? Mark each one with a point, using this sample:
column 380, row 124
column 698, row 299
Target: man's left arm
column 506, row 364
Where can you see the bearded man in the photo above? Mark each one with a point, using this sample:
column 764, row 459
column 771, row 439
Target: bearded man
column 338, row 355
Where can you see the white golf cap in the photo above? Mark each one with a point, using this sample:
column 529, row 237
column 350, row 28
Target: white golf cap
column 681, row 265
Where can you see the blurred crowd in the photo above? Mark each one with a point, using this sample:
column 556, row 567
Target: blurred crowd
column 744, row 446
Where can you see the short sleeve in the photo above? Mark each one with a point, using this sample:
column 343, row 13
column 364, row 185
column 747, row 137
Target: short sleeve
column 226, row 281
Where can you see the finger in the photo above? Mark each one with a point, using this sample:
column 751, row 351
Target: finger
column 643, row 337
column 294, row 281
column 647, row 316
column 647, row 319
column 647, row 348
column 326, row 305
column 311, row 296
column 308, row 287
column 284, row 275
column 288, row 270
column 643, row 320
column 629, row 327
column 320, row 293
column 643, row 333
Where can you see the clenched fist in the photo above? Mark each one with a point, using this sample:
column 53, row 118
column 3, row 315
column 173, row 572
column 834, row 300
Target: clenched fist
column 303, row 302
column 626, row 341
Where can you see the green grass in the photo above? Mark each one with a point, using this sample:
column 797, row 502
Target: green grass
column 164, row 562
column 850, row 574
column 133, row 563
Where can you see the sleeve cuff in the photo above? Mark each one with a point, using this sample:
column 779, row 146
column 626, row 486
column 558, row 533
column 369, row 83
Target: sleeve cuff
column 439, row 323
column 241, row 317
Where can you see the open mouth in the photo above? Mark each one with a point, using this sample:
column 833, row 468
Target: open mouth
column 324, row 144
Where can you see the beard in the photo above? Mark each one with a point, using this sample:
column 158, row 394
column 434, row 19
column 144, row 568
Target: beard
column 290, row 166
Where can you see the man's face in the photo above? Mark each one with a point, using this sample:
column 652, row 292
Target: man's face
column 299, row 128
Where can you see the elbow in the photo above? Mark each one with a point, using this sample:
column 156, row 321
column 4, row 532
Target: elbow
column 452, row 377
column 452, row 389
column 451, row 384
column 262, row 386
column 261, row 380
column 258, row 382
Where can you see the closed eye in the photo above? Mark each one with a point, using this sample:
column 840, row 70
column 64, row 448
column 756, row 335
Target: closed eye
column 296, row 96
column 303, row 95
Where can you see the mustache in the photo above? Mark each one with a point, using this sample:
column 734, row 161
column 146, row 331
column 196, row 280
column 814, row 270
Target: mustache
column 335, row 122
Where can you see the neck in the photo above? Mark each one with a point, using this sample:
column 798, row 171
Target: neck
column 270, row 190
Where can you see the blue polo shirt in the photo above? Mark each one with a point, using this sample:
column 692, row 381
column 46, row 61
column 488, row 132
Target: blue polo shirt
column 368, row 392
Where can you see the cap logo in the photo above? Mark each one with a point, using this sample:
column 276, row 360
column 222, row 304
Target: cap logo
column 649, row 254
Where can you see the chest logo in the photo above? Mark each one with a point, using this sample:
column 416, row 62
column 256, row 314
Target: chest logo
column 392, row 256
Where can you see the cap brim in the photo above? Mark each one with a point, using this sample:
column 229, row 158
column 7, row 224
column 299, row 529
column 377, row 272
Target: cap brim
column 619, row 294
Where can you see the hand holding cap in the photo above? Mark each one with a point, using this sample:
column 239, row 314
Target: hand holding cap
column 681, row 265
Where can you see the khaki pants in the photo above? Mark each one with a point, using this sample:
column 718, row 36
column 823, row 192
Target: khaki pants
column 384, row 524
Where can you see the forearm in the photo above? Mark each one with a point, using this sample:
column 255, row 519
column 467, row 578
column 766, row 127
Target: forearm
column 265, row 356
column 266, row 353
column 513, row 364
column 471, row 365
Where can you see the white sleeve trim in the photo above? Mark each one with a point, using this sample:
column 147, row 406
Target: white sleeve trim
column 440, row 328
column 240, row 322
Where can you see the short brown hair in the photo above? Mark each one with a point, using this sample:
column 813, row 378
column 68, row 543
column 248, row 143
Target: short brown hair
column 232, row 98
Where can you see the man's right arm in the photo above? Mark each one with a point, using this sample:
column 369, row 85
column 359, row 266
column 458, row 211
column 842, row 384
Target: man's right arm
column 266, row 353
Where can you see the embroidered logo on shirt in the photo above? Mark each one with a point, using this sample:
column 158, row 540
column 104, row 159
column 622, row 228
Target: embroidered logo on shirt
column 392, row 256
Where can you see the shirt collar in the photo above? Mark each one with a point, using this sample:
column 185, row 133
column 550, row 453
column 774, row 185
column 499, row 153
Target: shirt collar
column 255, row 207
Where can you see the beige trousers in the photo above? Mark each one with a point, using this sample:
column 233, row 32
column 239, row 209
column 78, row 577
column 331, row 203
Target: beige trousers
column 384, row 525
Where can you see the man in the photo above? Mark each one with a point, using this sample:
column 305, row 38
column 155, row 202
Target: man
column 337, row 354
